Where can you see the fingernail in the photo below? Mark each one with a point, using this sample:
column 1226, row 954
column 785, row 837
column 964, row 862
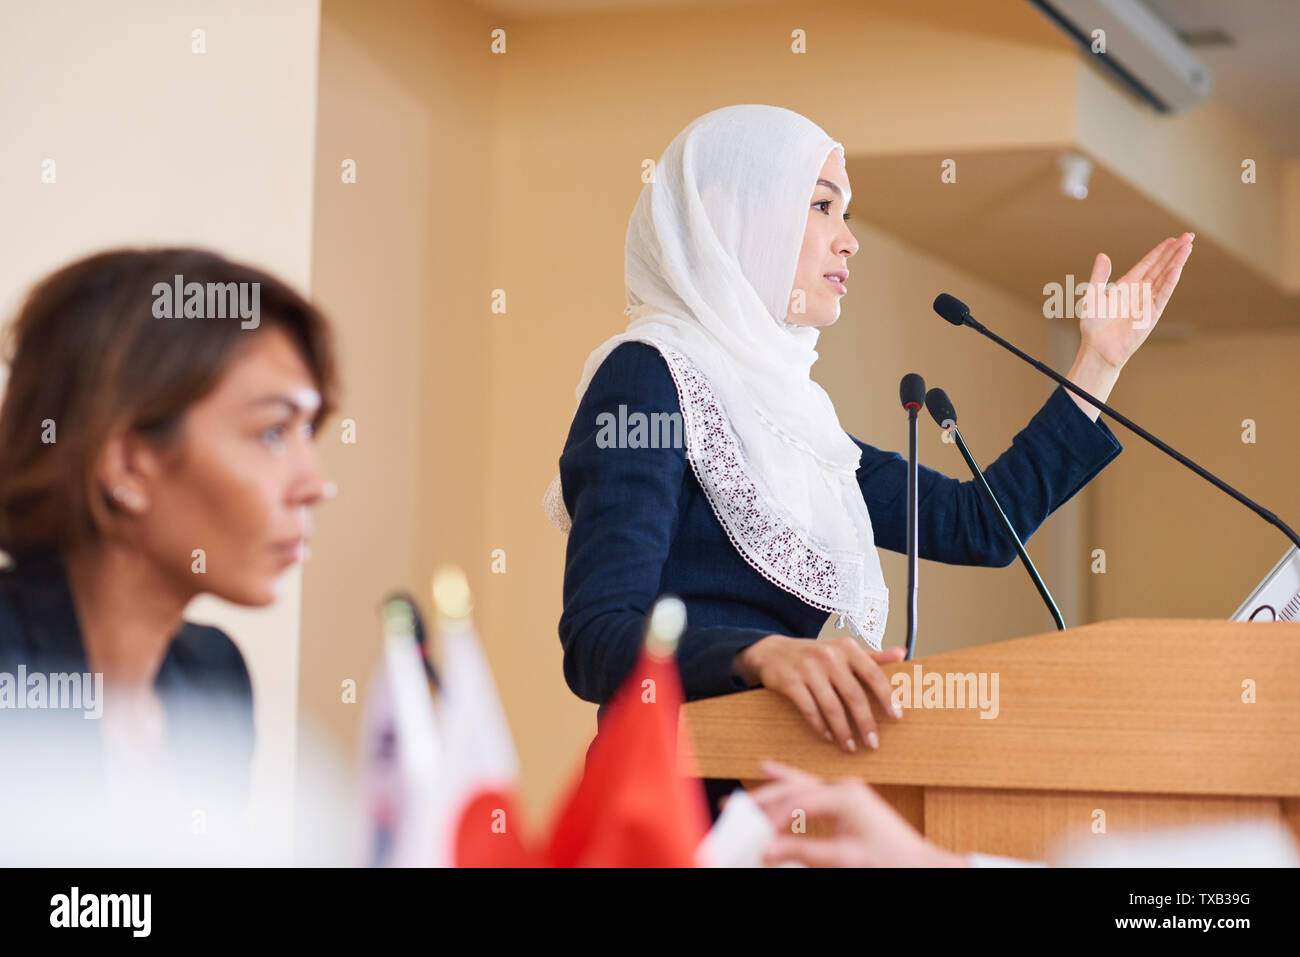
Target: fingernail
column 873, row 740
column 898, row 712
column 828, row 736
column 851, row 744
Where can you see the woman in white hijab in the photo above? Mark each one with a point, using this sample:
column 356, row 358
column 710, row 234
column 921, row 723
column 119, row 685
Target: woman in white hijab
column 736, row 253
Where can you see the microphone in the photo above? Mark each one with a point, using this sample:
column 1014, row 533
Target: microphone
column 958, row 313
column 940, row 406
column 911, row 392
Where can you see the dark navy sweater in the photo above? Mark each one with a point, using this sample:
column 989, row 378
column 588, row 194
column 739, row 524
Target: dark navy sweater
column 202, row 683
column 642, row 527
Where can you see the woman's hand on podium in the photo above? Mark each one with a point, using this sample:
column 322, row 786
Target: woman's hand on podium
column 867, row 831
column 824, row 679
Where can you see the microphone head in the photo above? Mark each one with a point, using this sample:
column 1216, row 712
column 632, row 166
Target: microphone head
column 940, row 406
column 401, row 617
column 952, row 309
column 911, row 391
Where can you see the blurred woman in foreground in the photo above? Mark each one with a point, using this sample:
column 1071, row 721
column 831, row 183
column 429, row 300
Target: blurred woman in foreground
column 155, row 445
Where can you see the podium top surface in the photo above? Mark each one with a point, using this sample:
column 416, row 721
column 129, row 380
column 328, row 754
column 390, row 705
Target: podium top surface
column 1178, row 706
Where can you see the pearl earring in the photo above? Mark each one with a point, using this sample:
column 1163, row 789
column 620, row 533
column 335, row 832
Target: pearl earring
column 126, row 497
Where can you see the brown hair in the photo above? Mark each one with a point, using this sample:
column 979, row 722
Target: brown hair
column 90, row 355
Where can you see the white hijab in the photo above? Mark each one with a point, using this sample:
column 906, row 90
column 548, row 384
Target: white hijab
column 712, row 248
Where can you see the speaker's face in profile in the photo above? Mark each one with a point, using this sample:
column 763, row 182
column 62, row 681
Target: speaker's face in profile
column 827, row 246
column 227, row 505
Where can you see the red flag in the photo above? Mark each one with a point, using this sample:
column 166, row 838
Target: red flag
column 632, row 807
column 483, row 840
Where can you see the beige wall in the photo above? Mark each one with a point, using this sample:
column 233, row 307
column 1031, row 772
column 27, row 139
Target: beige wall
column 1192, row 162
column 1170, row 544
column 1175, row 546
column 155, row 144
column 403, row 261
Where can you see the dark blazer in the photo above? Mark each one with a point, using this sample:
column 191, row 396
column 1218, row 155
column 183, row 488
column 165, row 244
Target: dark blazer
column 642, row 527
column 203, row 683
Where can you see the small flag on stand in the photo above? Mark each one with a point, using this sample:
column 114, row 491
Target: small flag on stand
column 442, row 774
column 401, row 747
column 478, row 820
column 440, row 764
column 633, row 806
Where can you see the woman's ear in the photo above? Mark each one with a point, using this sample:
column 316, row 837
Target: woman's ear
column 126, row 471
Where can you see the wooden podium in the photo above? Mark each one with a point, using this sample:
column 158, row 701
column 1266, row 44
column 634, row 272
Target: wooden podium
column 1133, row 723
